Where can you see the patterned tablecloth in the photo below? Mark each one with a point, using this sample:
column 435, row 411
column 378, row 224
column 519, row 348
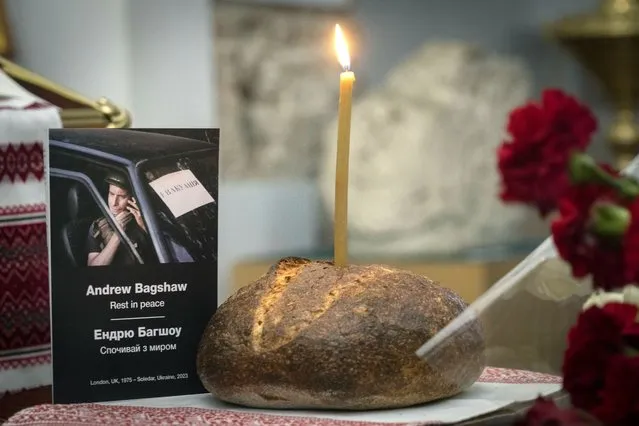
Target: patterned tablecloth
column 498, row 396
column 24, row 286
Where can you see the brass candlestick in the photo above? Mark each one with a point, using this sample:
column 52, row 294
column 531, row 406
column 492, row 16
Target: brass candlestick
column 606, row 42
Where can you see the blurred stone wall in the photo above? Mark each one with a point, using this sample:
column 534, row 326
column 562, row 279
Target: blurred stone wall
column 278, row 87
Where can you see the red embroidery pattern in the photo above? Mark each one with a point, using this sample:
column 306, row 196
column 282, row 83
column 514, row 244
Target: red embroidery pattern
column 93, row 414
column 24, row 286
column 27, row 361
column 32, row 106
column 90, row 414
column 518, row 377
column 21, row 161
column 23, row 209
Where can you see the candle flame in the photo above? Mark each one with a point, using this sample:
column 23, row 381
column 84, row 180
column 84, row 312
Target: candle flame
column 343, row 57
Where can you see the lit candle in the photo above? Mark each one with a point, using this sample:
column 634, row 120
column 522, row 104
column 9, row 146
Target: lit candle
column 346, row 80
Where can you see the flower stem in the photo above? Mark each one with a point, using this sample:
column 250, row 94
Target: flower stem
column 627, row 187
column 584, row 169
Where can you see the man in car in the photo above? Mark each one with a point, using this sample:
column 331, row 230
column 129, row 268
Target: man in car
column 104, row 245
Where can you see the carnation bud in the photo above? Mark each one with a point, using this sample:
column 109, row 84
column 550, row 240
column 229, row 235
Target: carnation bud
column 582, row 168
column 610, row 220
column 630, row 351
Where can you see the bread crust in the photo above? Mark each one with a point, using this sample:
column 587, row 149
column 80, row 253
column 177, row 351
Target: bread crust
column 309, row 335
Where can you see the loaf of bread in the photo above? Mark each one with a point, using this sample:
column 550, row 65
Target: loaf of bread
column 309, row 335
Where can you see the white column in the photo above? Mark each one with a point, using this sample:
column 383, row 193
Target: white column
column 81, row 44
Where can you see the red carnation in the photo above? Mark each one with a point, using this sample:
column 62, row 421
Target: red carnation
column 597, row 348
column 533, row 164
column 586, row 252
column 620, row 394
column 571, row 119
column 545, row 412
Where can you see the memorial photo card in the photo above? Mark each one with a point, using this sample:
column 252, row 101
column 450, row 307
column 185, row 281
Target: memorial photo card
column 132, row 233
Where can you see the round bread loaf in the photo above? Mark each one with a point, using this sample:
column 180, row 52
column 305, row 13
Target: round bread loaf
column 309, row 335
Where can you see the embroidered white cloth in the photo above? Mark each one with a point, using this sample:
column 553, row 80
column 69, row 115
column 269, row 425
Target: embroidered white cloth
column 496, row 389
column 25, row 120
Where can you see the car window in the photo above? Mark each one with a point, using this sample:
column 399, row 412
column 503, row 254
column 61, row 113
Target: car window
column 97, row 168
column 80, row 220
column 181, row 189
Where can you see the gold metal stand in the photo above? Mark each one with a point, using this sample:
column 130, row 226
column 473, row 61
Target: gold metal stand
column 76, row 111
column 606, row 42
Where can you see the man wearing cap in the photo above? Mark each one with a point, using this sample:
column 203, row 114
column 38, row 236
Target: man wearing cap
column 104, row 245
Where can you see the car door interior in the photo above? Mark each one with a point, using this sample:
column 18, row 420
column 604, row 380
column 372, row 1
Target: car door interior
column 81, row 211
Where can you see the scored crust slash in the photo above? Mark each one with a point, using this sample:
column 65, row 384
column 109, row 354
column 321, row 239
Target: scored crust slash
column 308, row 334
column 266, row 315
